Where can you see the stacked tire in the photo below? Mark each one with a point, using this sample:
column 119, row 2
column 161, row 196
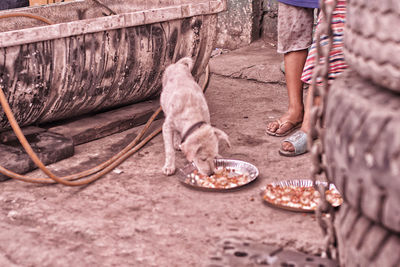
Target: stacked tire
column 362, row 139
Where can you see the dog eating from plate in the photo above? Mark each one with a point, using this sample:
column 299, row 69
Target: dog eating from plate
column 187, row 120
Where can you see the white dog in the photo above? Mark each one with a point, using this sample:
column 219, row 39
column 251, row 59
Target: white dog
column 187, row 120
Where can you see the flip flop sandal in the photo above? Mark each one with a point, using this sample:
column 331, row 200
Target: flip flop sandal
column 282, row 67
column 295, row 125
column 299, row 142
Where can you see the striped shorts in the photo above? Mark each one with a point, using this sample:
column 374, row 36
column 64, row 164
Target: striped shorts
column 337, row 63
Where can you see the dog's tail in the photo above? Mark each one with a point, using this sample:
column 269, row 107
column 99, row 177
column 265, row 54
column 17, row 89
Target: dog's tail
column 188, row 61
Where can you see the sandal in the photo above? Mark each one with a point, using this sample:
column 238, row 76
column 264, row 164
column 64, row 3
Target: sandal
column 282, row 67
column 299, row 142
column 295, row 125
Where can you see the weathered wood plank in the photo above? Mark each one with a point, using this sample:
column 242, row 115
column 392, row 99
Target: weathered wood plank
column 9, row 136
column 50, row 148
column 89, row 128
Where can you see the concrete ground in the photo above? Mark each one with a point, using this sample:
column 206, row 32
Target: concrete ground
column 136, row 216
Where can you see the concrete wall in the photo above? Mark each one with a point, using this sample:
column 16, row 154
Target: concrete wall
column 269, row 19
column 246, row 21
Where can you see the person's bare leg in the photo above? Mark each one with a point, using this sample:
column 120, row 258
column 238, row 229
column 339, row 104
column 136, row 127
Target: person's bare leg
column 305, row 126
column 294, row 64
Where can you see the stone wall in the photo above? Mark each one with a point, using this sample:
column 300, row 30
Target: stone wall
column 246, row 21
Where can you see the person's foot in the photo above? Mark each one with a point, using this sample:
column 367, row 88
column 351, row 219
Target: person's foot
column 288, row 146
column 299, row 140
column 285, row 125
column 298, row 144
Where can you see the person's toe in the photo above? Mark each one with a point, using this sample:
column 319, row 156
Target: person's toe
column 284, row 128
column 272, row 126
column 286, row 146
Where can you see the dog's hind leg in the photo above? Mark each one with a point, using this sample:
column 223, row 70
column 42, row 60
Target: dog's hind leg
column 169, row 166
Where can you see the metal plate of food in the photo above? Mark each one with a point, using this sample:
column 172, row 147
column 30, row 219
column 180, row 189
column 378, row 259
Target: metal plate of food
column 229, row 174
column 298, row 195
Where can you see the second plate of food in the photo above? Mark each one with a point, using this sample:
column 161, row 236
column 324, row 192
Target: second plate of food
column 298, row 195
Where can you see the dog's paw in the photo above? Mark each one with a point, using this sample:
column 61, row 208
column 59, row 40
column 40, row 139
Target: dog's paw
column 168, row 170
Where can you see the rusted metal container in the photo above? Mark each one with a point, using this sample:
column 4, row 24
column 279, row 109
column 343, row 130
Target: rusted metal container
column 95, row 57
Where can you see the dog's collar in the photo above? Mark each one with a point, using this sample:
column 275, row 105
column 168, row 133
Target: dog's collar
column 192, row 128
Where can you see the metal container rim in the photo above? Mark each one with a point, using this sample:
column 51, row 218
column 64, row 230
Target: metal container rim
column 100, row 24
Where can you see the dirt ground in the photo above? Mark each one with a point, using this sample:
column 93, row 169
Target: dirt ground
column 136, row 216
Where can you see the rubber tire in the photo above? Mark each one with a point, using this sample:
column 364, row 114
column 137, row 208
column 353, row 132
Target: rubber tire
column 362, row 147
column 371, row 42
column 361, row 242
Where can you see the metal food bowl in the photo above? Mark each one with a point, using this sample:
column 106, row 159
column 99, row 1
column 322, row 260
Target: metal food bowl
column 240, row 167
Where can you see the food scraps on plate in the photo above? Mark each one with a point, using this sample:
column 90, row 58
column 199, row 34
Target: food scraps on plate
column 301, row 198
column 223, row 178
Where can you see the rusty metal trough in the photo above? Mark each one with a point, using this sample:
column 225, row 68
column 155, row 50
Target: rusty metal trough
column 96, row 57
